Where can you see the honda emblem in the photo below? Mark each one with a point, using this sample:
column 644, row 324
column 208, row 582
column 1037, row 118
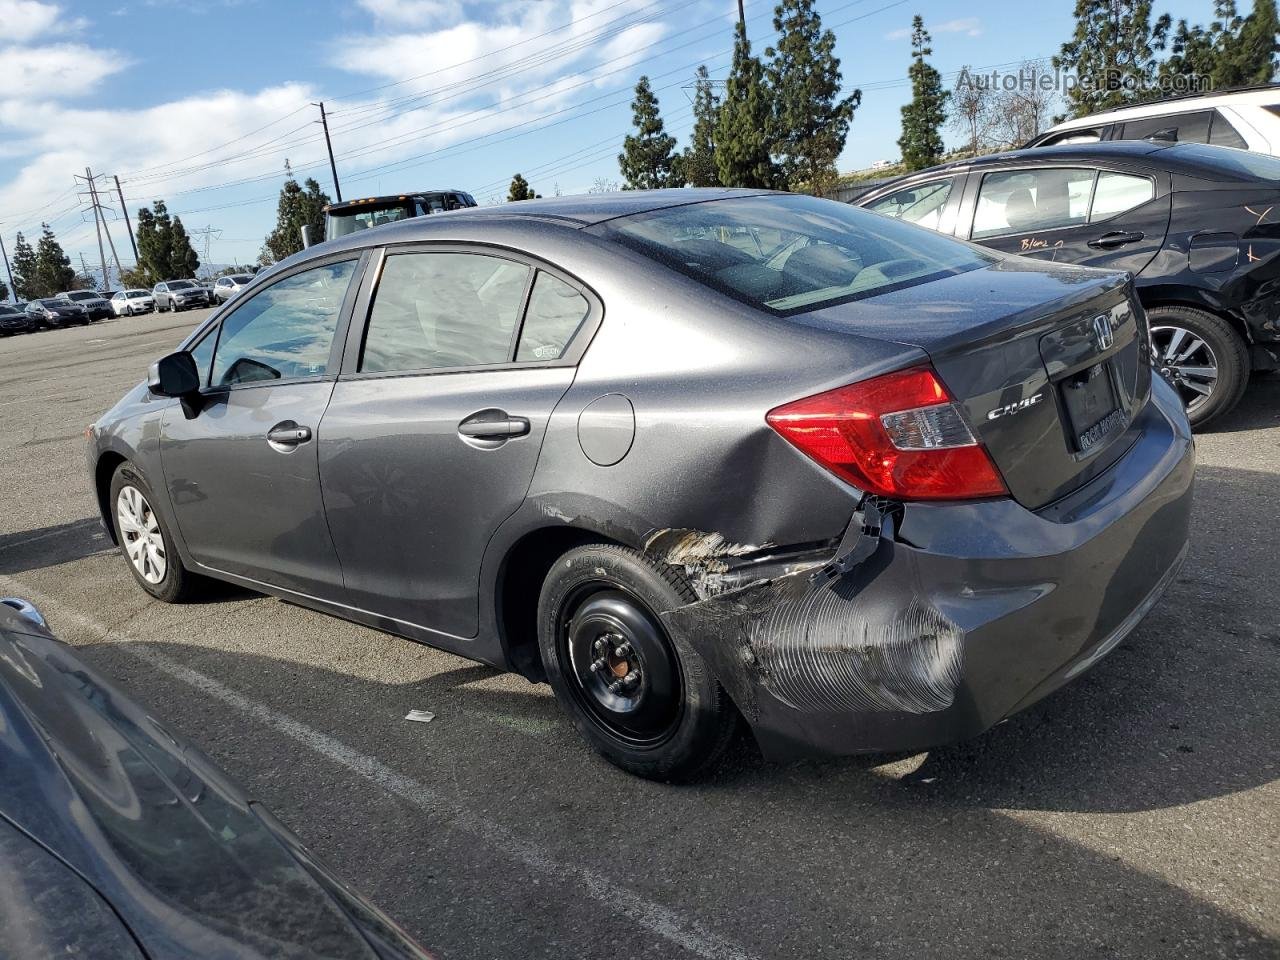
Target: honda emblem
column 1102, row 331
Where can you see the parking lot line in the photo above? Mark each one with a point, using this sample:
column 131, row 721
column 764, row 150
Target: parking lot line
column 669, row 924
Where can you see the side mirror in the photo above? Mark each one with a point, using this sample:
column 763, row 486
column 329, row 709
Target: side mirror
column 174, row 376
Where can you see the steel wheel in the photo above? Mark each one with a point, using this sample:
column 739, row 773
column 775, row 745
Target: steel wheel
column 140, row 534
column 619, row 664
column 1187, row 361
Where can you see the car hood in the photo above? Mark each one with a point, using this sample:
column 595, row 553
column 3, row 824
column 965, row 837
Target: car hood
column 189, row 863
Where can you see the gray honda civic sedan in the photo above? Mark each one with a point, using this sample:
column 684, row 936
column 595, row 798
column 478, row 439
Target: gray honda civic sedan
column 693, row 457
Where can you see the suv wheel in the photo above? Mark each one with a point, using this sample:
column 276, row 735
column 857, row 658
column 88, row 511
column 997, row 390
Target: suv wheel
column 145, row 539
column 642, row 697
column 1202, row 356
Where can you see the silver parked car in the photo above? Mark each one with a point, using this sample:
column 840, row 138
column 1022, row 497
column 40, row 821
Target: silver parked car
column 178, row 295
column 227, row 287
column 127, row 303
column 690, row 456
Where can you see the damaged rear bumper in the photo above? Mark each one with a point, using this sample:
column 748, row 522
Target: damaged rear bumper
column 975, row 611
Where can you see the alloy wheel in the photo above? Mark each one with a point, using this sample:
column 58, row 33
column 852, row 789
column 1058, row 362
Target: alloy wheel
column 1187, row 361
column 619, row 664
column 140, row 534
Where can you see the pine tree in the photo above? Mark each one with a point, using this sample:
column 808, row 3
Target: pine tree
column 1249, row 56
column 1111, row 54
column 52, row 266
column 154, row 236
column 922, row 118
column 648, row 160
column 298, row 206
column 698, row 162
column 184, row 262
column 4, row 290
column 24, row 270
column 519, row 190
column 810, row 118
column 744, row 121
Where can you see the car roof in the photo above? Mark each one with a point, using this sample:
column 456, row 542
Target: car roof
column 1263, row 93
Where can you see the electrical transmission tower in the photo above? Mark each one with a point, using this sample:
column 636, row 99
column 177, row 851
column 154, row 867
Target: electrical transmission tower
column 210, row 234
column 100, row 224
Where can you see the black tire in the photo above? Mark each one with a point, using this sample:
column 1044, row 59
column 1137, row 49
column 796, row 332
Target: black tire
column 1225, row 348
column 177, row 585
column 673, row 721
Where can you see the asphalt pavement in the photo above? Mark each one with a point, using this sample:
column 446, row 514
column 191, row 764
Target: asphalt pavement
column 1135, row 813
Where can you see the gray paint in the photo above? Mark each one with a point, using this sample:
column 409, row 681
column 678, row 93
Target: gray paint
column 944, row 620
column 606, row 429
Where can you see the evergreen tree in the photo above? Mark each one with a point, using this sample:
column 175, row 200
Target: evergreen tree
column 24, row 270
column 810, row 118
column 520, row 190
column 154, row 236
column 1249, row 53
column 648, row 160
column 1111, row 54
column 184, row 262
column 924, row 116
column 298, row 206
column 53, row 266
column 744, row 121
column 4, row 290
column 698, row 162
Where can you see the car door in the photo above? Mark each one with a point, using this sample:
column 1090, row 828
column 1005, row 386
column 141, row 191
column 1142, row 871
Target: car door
column 433, row 431
column 242, row 471
column 1095, row 217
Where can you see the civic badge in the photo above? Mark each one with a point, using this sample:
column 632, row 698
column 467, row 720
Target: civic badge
column 1102, row 331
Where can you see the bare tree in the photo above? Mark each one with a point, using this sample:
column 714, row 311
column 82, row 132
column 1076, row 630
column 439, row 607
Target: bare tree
column 1023, row 109
column 973, row 105
column 604, row 185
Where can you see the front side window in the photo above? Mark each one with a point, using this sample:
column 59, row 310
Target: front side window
column 202, row 354
column 556, row 311
column 441, row 310
column 805, row 252
column 1026, row 200
column 285, row 331
column 921, row 204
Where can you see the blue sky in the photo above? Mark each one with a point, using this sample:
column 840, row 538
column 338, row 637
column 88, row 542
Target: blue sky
column 200, row 102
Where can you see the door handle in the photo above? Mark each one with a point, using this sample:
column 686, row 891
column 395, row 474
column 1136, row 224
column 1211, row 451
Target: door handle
column 500, row 428
column 1117, row 238
column 288, row 434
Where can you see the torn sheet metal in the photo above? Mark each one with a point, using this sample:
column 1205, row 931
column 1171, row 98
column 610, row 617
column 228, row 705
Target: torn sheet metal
column 847, row 635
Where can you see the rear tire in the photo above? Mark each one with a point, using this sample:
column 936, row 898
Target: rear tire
column 1188, row 343
column 145, row 540
column 651, row 706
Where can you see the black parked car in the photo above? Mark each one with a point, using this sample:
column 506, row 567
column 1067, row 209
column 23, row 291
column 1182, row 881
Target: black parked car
column 97, row 305
column 54, row 312
column 14, row 320
column 1198, row 226
column 120, row 840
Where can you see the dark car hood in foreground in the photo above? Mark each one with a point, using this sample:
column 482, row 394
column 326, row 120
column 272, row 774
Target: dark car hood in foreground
column 190, row 866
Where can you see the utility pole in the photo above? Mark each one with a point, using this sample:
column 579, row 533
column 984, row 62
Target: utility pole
column 127, row 222
column 84, row 267
column 93, row 192
column 742, row 15
column 333, row 167
column 97, row 223
column 13, row 293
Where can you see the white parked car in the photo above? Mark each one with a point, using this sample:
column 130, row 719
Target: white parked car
column 128, row 302
column 228, row 287
column 1248, row 119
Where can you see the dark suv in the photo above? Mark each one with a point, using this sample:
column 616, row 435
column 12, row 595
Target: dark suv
column 1198, row 226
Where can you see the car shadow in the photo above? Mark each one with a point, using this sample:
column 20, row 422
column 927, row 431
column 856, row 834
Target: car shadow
column 49, row 546
column 1259, row 409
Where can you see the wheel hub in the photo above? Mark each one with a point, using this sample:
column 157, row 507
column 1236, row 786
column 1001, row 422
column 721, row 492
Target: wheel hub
column 1187, row 361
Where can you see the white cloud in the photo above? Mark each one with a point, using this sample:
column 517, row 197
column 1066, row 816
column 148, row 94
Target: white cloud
column 57, row 70
column 969, row 26
column 23, row 20
column 413, row 13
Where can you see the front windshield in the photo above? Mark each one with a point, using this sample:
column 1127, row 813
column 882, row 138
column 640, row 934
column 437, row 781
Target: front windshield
column 82, row 295
column 789, row 252
column 179, row 284
column 133, row 294
column 340, row 223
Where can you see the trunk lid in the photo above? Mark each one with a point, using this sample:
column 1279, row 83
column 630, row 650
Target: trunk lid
column 1050, row 363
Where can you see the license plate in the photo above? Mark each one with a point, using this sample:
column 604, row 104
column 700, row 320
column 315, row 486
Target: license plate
column 1092, row 409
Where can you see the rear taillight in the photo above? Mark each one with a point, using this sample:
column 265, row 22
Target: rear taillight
column 900, row 436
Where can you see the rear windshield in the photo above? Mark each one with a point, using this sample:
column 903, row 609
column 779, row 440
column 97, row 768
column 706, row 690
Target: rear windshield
column 789, row 253
column 1237, row 164
column 82, row 295
column 339, row 223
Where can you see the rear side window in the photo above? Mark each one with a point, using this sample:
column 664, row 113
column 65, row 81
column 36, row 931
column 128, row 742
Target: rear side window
column 556, row 311
column 1118, row 192
column 285, row 331
column 1223, row 134
column 1185, row 127
column 442, row 310
column 1024, row 200
column 921, row 204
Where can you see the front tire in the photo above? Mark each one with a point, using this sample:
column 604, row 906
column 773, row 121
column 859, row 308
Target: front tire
column 642, row 697
column 145, row 540
column 1202, row 356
